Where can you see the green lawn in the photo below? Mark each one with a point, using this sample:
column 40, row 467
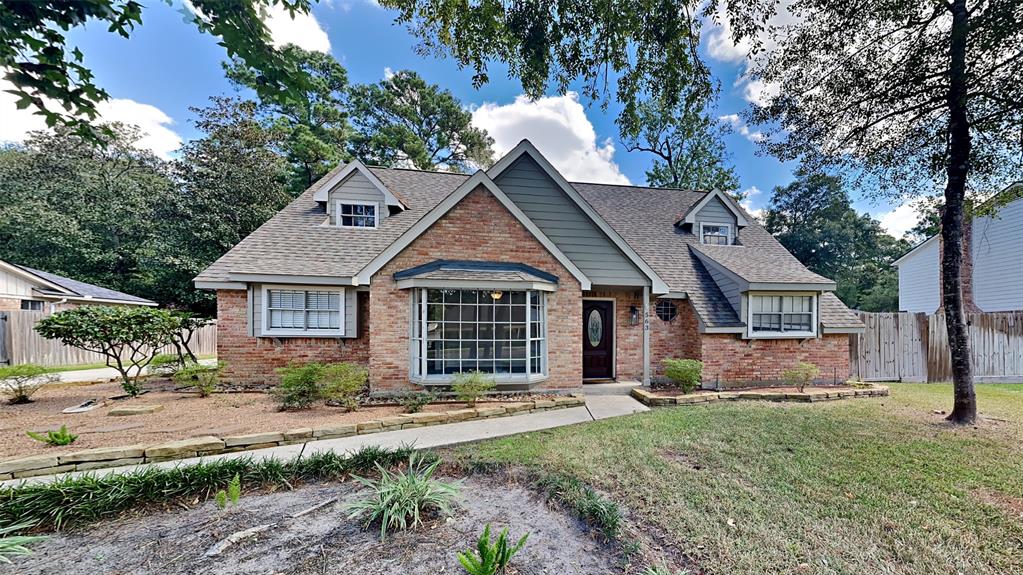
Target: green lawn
column 877, row 485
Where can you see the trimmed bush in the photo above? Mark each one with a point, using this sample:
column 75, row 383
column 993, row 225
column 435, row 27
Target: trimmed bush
column 343, row 383
column 685, row 373
column 20, row 382
column 415, row 401
column 399, row 500
column 801, row 376
column 470, row 386
column 299, row 387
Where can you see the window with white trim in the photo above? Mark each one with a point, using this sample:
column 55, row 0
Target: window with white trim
column 302, row 311
column 493, row 331
column 31, row 305
column 357, row 214
column 785, row 315
column 716, row 234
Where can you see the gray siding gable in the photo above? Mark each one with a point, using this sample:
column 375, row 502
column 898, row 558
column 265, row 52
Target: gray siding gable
column 356, row 187
column 716, row 212
column 571, row 230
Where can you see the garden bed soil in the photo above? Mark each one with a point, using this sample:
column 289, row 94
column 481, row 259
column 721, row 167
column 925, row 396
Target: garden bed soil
column 676, row 391
column 325, row 540
column 184, row 415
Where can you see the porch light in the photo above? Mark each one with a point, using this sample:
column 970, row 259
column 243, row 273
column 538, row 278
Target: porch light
column 496, row 294
column 633, row 315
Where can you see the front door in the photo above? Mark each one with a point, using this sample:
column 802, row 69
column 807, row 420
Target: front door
column 598, row 339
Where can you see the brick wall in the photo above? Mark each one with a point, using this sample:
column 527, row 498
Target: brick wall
column 9, row 304
column 478, row 228
column 732, row 360
column 252, row 360
column 678, row 338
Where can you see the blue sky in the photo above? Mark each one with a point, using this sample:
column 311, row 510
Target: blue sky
column 168, row 66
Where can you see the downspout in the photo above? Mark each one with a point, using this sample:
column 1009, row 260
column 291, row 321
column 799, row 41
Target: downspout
column 53, row 306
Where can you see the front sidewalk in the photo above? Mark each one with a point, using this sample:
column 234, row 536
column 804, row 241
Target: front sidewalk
column 598, row 406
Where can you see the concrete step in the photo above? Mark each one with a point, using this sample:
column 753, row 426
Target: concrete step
column 612, row 388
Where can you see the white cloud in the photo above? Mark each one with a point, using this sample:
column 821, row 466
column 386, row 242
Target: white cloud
column 747, row 202
column 899, row 221
column 304, row 30
column 388, row 73
column 158, row 136
column 739, row 126
column 559, row 128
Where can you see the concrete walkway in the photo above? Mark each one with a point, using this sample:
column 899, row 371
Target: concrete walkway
column 598, row 406
column 101, row 374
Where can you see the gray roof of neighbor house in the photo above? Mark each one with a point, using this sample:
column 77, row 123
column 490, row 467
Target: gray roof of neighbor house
column 296, row 242
column 83, row 290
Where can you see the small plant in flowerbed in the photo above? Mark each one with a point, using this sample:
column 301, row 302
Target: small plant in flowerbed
column 399, row 500
column 686, row 374
column 592, row 507
column 202, row 379
column 302, row 385
column 54, row 437
column 490, row 558
column 20, row 382
column 232, row 494
column 415, row 401
column 470, row 386
column 801, row 376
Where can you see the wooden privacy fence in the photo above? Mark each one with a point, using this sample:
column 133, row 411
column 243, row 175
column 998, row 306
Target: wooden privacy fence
column 914, row 347
column 21, row 344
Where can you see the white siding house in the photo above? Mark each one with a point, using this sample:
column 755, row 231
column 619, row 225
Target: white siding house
column 996, row 250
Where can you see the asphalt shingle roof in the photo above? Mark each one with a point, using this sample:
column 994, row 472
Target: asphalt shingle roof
column 297, row 241
column 86, row 290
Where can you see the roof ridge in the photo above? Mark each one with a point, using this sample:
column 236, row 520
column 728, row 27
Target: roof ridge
column 417, row 170
column 642, row 187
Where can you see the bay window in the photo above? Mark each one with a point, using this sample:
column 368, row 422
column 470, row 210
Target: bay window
column 786, row 315
column 300, row 311
column 499, row 332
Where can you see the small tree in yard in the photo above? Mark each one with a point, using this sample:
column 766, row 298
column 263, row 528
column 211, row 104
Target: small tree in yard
column 188, row 324
column 801, row 376
column 20, row 382
column 129, row 337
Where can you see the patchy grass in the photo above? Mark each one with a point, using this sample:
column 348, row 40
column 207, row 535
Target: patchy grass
column 863, row 486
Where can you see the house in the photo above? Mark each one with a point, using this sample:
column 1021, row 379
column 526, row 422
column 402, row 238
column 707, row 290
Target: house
column 992, row 272
column 25, row 288
column 515, row 271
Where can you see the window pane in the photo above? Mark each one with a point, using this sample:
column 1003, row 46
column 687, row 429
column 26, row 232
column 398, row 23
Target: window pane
column 798, row 321
column 766, row 322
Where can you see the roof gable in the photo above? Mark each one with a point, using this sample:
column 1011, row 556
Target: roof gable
column 729, row 202
column 322, row 194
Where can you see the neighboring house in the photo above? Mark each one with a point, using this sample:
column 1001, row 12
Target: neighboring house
column 29, row 289
column 517, row 272
column 992, row 269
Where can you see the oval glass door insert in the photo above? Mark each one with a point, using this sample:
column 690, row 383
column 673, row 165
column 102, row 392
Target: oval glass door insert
column 595, row 328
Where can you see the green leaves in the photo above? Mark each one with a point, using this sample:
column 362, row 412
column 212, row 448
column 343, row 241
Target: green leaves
column 491, row 558
column 16, row 545
column 58, row 437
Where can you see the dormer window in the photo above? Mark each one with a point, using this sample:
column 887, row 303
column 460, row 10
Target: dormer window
column 716, row 234
column 357, row 214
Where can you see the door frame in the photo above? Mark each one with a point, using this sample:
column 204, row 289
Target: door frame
column 614, row 336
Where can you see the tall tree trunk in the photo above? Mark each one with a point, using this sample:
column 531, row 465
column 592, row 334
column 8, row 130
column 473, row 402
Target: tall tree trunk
column 965, row 409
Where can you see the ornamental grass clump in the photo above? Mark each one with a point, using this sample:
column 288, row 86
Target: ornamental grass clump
column 470, row 386
column 20, row 382
column 685, row 373
column 399, row 500
column 801, row 376
column 12, row 545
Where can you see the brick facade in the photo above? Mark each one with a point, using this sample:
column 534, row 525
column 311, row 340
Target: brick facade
column 730, row 360
column 253, row 360
column 478, row 228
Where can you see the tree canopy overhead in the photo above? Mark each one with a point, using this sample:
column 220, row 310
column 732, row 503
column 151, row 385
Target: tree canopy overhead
column 56, row 82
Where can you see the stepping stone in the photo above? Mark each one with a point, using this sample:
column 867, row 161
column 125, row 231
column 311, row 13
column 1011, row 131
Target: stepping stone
column 135, row 410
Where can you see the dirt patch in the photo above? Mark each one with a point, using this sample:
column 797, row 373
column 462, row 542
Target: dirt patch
column 680, row 458
column 324, row 541
column 184, row 415
column 1011, row 506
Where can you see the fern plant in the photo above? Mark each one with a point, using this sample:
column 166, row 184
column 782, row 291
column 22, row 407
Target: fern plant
column 398, row 500
column 16, row 545
column 232, row 494
column 490, row 557
column 59, row 437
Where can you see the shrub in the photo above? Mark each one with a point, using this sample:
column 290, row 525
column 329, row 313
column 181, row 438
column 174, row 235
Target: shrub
column 59, row 437
column 299, row 387
column 12, row 545
column 490, row 558
column 399, row 500
column 801, row 376
column 415, row 401
column 685, row 373
column 202, row 378
column 129, row 337
column 20, row 382
column 343, row 383
column 469, row 386
column 73, row 501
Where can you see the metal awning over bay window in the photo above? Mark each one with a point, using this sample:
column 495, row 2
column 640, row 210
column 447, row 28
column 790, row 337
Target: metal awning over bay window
column 478, row 316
